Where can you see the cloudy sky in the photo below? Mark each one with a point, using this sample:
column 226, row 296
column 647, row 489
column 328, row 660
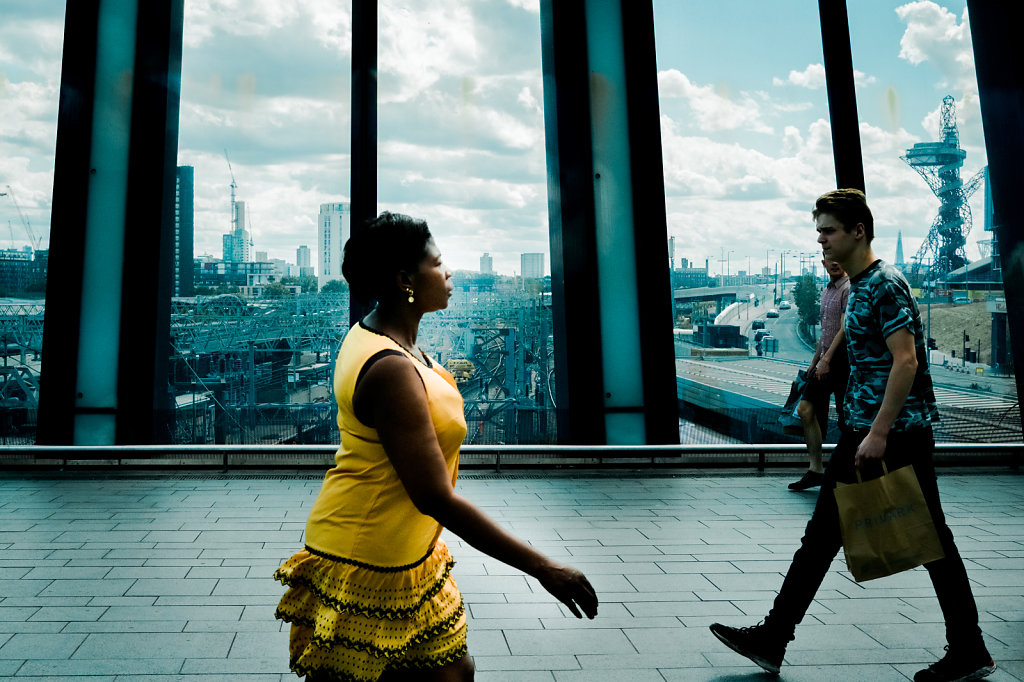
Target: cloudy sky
column 745, row 131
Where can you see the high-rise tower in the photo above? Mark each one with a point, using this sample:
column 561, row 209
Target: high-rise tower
column 237, row 243
column 184, row 231
column 303, row 261
column 333, row 230
column 532, row 265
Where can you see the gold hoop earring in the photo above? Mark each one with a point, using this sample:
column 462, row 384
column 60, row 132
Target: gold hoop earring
column 412, row 299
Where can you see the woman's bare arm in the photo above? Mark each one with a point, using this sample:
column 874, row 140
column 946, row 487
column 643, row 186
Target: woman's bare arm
column 393, row 393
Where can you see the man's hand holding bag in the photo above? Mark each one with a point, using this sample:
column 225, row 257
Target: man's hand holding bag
column 886, row 525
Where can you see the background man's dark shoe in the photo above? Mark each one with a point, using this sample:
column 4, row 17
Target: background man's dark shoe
column 809, row 480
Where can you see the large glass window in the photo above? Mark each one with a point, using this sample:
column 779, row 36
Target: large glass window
column 31, row 40
column 925, row 165
column 462, row 146
column 263, row 183
column 262, row 206
column 747, row 148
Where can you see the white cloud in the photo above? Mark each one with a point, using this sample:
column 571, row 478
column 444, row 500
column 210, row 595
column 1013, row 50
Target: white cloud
column 699, row 166
column 532, row 6
column 934, row 36
column 792, row 140
column 461, row 125
column 715, row 109
column 255, row 18
column 813, row 78
column 527, row 99
column 30, row 58
column 420, row 43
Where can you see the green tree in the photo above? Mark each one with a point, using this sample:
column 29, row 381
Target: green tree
column 335, row 286
column 808, row 301
column 276, row 290
column 308, row 284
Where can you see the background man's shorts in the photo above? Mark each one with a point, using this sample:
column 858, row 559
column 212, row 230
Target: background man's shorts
column 819, row 392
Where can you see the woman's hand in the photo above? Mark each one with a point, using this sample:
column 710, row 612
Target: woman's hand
column 570, row 587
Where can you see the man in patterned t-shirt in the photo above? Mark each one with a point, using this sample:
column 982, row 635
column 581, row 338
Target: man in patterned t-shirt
column 890, row 406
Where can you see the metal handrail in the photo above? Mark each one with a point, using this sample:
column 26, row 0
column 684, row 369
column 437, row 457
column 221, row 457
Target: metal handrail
column 1010, row 453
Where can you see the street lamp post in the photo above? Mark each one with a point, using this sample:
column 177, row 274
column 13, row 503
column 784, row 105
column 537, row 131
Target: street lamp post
column 782, row 268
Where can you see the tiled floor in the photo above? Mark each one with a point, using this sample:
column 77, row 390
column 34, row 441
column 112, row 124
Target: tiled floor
column 167, row 576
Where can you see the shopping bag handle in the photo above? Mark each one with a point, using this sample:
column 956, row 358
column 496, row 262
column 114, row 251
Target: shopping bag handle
column 885, row 471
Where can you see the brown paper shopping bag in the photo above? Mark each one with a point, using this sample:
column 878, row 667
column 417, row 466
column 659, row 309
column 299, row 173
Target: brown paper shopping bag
column 886, row 525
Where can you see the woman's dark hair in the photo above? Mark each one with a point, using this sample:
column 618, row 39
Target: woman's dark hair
column 385, row 246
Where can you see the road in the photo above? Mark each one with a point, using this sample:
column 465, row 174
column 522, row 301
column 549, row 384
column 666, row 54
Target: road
column 793, row 349
column 783, row 328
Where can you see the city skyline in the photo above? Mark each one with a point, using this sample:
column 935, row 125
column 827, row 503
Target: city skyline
column 746, row 141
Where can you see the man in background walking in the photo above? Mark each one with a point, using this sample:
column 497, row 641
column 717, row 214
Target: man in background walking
column 827, row 375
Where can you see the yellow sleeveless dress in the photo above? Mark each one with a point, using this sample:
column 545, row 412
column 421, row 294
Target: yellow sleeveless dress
column 372, row 590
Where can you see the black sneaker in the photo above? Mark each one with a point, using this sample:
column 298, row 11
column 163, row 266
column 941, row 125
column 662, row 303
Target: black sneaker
column 809, row 480
column 956, row 666
column 760, row 644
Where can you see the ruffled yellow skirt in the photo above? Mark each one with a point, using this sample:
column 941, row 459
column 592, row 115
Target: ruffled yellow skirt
column 354, row 621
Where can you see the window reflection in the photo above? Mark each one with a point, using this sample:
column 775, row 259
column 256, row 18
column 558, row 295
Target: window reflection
column 925, row 167
column 264, row 136
column 747, row 148
column 32, row 36
column 462, row 146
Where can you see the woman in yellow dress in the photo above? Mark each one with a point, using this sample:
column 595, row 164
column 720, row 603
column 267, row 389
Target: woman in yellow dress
column 371, row 596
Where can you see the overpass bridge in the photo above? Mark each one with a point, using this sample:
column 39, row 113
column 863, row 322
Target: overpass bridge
column 722, row 296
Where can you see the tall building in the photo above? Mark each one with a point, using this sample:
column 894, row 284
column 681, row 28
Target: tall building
column 237, row 243
column 486, row 264
column 184, row 231
column 899, row 250
column 532, row 265
column 302, row 261
column 333, row 229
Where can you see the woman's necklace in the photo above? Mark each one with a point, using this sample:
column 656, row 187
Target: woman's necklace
column 416, row 353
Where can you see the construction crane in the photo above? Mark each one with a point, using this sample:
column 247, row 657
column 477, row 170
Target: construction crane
column 33, row 240
column 235, row 225
column 234, row 186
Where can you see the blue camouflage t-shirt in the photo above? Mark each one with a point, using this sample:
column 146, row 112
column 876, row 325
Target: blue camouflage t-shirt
column 880, row 303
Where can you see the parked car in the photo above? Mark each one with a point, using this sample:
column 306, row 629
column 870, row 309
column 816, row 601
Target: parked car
column 772, row 312
column 757, row 324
